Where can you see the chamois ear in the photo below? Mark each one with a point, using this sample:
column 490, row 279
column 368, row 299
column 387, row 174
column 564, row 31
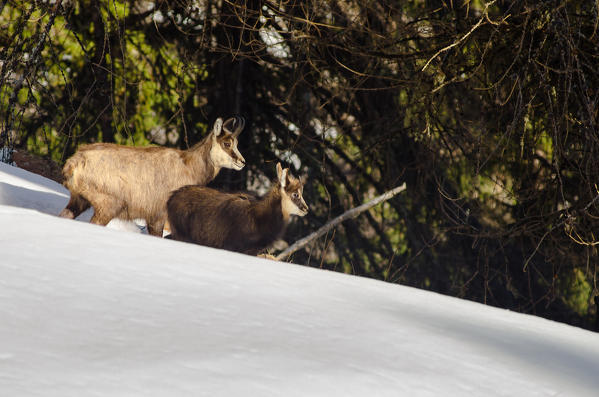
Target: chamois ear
column 218, row 127
column 282, row 174
column 284, row 178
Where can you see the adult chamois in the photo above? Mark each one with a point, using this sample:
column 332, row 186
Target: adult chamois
column 135, row 182
column 235, row 221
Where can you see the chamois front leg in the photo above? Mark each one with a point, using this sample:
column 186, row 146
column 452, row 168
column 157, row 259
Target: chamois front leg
column 101, row 217
column 155, row 227
column 105, row 209
column 77, row 204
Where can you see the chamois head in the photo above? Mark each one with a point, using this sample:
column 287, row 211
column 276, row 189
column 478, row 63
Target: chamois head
column 291, row 190
column 224, row 152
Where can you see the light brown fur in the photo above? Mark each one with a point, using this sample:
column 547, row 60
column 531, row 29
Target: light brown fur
column 135, row 182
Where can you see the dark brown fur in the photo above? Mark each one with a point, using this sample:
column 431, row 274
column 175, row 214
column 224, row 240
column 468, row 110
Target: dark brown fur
column 233, row 221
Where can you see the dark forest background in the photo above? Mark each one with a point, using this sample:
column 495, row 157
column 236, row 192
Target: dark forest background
column 487, row 110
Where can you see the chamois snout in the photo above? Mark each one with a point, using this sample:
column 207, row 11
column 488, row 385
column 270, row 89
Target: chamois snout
column 294, row 204
column 238, row 161
column 303, row 207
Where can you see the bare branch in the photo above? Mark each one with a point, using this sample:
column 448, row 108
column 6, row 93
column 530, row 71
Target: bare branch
column 482, row 19
column 352, row 213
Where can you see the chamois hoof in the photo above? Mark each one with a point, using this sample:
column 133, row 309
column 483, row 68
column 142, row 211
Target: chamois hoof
column 267, row 256
column 66, row 213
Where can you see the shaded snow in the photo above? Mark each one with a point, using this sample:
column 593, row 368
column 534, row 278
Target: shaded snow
column 90, row 311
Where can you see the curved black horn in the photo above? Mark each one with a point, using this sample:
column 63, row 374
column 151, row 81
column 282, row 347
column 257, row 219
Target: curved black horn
column 240, row 122
column 234, row 125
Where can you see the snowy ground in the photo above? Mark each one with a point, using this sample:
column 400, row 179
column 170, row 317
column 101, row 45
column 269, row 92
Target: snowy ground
column 92, row 311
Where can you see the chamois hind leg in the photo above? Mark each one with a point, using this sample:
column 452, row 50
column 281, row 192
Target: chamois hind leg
column 155, row 227
column 105, row 208
column 77, row 204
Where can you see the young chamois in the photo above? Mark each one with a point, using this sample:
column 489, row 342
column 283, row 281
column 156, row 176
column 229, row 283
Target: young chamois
column 135, row 182
column 235, row 221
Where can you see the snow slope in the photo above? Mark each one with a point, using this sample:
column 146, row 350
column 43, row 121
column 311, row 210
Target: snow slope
column 92, row 311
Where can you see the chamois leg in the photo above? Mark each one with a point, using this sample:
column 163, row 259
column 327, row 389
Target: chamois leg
column 155, row 227
column 166, row 228
column 77, row 204
column 100, row 218
column 106, row 209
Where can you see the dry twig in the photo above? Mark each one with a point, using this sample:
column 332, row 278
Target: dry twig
column 352, row 213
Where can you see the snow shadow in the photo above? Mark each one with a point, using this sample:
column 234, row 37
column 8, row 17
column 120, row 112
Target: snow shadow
column 18, row 196
column 537, row 349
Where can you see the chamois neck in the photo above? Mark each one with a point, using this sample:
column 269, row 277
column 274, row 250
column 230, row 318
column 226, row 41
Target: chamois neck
column 198, row 159
column 270, row 206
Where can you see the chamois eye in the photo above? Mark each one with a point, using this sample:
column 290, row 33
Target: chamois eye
column 295, row 195
column 227, row 144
